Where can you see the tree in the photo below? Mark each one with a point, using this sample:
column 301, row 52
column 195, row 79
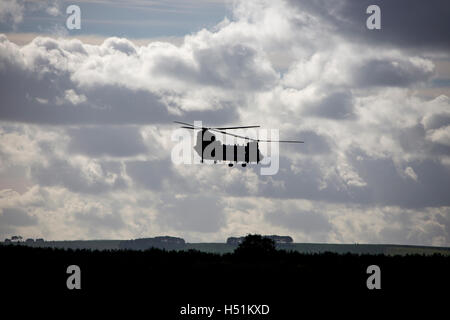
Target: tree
column 255, row 246
column 16, row 238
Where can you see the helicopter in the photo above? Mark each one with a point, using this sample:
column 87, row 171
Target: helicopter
column 208, row 148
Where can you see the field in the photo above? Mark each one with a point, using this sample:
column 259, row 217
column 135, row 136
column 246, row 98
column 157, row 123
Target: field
column 221, row 248
column 161, row 282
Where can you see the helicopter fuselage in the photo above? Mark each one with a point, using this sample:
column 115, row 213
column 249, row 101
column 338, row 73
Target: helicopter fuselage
column 208, row 148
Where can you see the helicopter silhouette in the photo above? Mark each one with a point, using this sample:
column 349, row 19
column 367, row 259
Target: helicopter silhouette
column 209, row 148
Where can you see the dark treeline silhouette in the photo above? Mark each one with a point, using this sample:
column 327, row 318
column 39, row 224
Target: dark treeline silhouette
column 165, row 242
column 277, row 239
column 255, row 273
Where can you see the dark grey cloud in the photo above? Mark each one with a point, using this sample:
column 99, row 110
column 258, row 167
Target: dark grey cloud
column 306, row 184
column 115, row 141
column 444, row 220
column 379, row 72
column 227, row 112
column 46, row 92
column 17, row 217
column 438, row 120
column 432, row 226
column 297, row 219
column 150, row 174
column 413, row 139
column 96, row 220
column 412, row 24
column 107, row 104
column 315, row 144
column 195, row 212
column 61, row 172
column 387, row 186
column 335, row 105
column 228, row 65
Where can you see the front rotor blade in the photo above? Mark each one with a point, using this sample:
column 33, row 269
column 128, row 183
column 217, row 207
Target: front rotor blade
column 234, row 135
column 186, row 124
column 190, row 125
column 242, row 127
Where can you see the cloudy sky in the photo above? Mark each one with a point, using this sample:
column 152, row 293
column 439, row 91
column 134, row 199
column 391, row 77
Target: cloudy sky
column 86, row 119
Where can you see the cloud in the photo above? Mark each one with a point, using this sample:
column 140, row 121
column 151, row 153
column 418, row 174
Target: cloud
column 317, row 143
column 387, row 186
column 150, row 174
column 86, row 130
column 15, row 13
column 336, row 105
column 393, row 73
column 428, row 28
column 17, row 217
column 441, row 136
column 94, row 220
column 184, row 213
column 106, row 141
column 11, row 12
column 85, row 176
column 299, row 220
column 411, row 173
column 68, row 82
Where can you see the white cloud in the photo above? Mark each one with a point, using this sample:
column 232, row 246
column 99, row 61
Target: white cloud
column 53, row 10
column 89, row 126
column 410, row 173
column 11, row 11
column 72, row 97
column 441, row 135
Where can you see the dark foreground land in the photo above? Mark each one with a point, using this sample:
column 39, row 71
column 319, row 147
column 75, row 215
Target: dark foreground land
column 374, row 249
column 161, row 282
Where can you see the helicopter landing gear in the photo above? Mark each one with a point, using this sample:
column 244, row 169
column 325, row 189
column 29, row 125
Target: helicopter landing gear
column 242, row 164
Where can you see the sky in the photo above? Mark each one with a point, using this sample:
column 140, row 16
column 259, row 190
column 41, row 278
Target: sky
column 86, row 119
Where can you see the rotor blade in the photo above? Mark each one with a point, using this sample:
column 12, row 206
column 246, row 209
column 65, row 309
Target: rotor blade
column 243, row 127
column 257, row 140
column 283, row 141
column 221, row 128
column 234, row 135
column 186, row 124
column 190, row 126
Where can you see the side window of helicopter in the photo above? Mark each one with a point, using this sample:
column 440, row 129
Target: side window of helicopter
column 213, row 149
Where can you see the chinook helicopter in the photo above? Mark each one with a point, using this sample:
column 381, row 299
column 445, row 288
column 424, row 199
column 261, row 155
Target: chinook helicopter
column 208, row 148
